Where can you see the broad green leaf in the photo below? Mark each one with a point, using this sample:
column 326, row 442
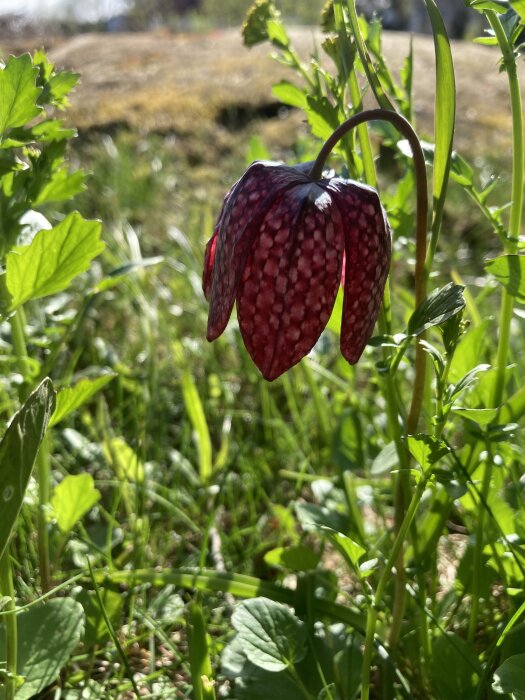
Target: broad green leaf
column 323, row 117
column 71, row 398
column 52, row 260
column 62, row 185
column 290, row 94
column 18, row 93
column 252, row 682
column 454, row 668
column 124, row 460
column 72, row 498
column 510, row 676
column 481, row 416
column 18, row 450
column 47, row 636
column 468, row 351
column 386, row 460
column 445, row 111
column 296, row 557
column 426, row 450
column 437, row 308
column 509, row 270
column 272, row 637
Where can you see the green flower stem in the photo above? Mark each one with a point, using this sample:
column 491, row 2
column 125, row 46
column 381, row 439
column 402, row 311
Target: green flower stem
column 383, row 582
column 10, row 627
column 402, row 481
column 17, row 323
column 507, row 301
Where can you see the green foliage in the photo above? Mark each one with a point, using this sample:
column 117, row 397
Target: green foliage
column 47, row 636
column 72, row 499
column 270, row 635
column 53, row 258
column 18, row 450
column 187, row 483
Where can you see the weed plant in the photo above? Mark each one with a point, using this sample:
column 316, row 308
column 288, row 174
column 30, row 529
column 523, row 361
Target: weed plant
column 190, row 530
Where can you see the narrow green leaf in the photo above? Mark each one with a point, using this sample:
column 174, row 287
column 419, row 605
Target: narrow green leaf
column 116, row 276
column 200, row 663
column 445, row 116
column 124, row 460
column 18, row 450
column 195, row 410
column 72, row 498
column 437, row 308
column 499, row 6
column 53, row 259
column 71, row 398
column 18, row 92
column 47, row 636
column 509, row 270
column 272, row 637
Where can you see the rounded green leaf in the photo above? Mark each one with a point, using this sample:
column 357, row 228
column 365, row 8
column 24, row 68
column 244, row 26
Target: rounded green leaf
column 271, row 636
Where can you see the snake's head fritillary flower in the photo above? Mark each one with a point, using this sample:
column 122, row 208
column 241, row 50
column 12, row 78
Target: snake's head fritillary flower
column 278, row 250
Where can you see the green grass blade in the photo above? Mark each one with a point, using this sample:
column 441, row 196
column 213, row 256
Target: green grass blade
column 444, row 123
column 197, row 417
column 201, row 671
column 239, row 585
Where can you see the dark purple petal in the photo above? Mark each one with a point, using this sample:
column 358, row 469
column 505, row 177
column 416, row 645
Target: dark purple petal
column 367, row 261
column 243, row 212
column 291, row 279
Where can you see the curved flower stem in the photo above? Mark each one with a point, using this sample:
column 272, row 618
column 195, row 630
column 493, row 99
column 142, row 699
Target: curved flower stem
column 405, row 128
column 402, row 519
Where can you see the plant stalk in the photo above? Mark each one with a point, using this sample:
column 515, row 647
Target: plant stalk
column 17, row 322
column 507, row 301
column 383, row 582
column 10, row 626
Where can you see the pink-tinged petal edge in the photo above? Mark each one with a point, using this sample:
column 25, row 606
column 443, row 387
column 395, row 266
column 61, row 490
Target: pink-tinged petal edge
column 367, row 262
column 291, row 279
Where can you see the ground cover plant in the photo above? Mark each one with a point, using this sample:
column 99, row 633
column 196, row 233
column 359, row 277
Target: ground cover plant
column 191, row 530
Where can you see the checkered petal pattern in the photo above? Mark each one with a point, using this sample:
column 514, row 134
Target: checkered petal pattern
column 277, row 250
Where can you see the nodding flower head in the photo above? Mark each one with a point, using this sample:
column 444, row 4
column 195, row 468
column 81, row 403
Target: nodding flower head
column 278, row 249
